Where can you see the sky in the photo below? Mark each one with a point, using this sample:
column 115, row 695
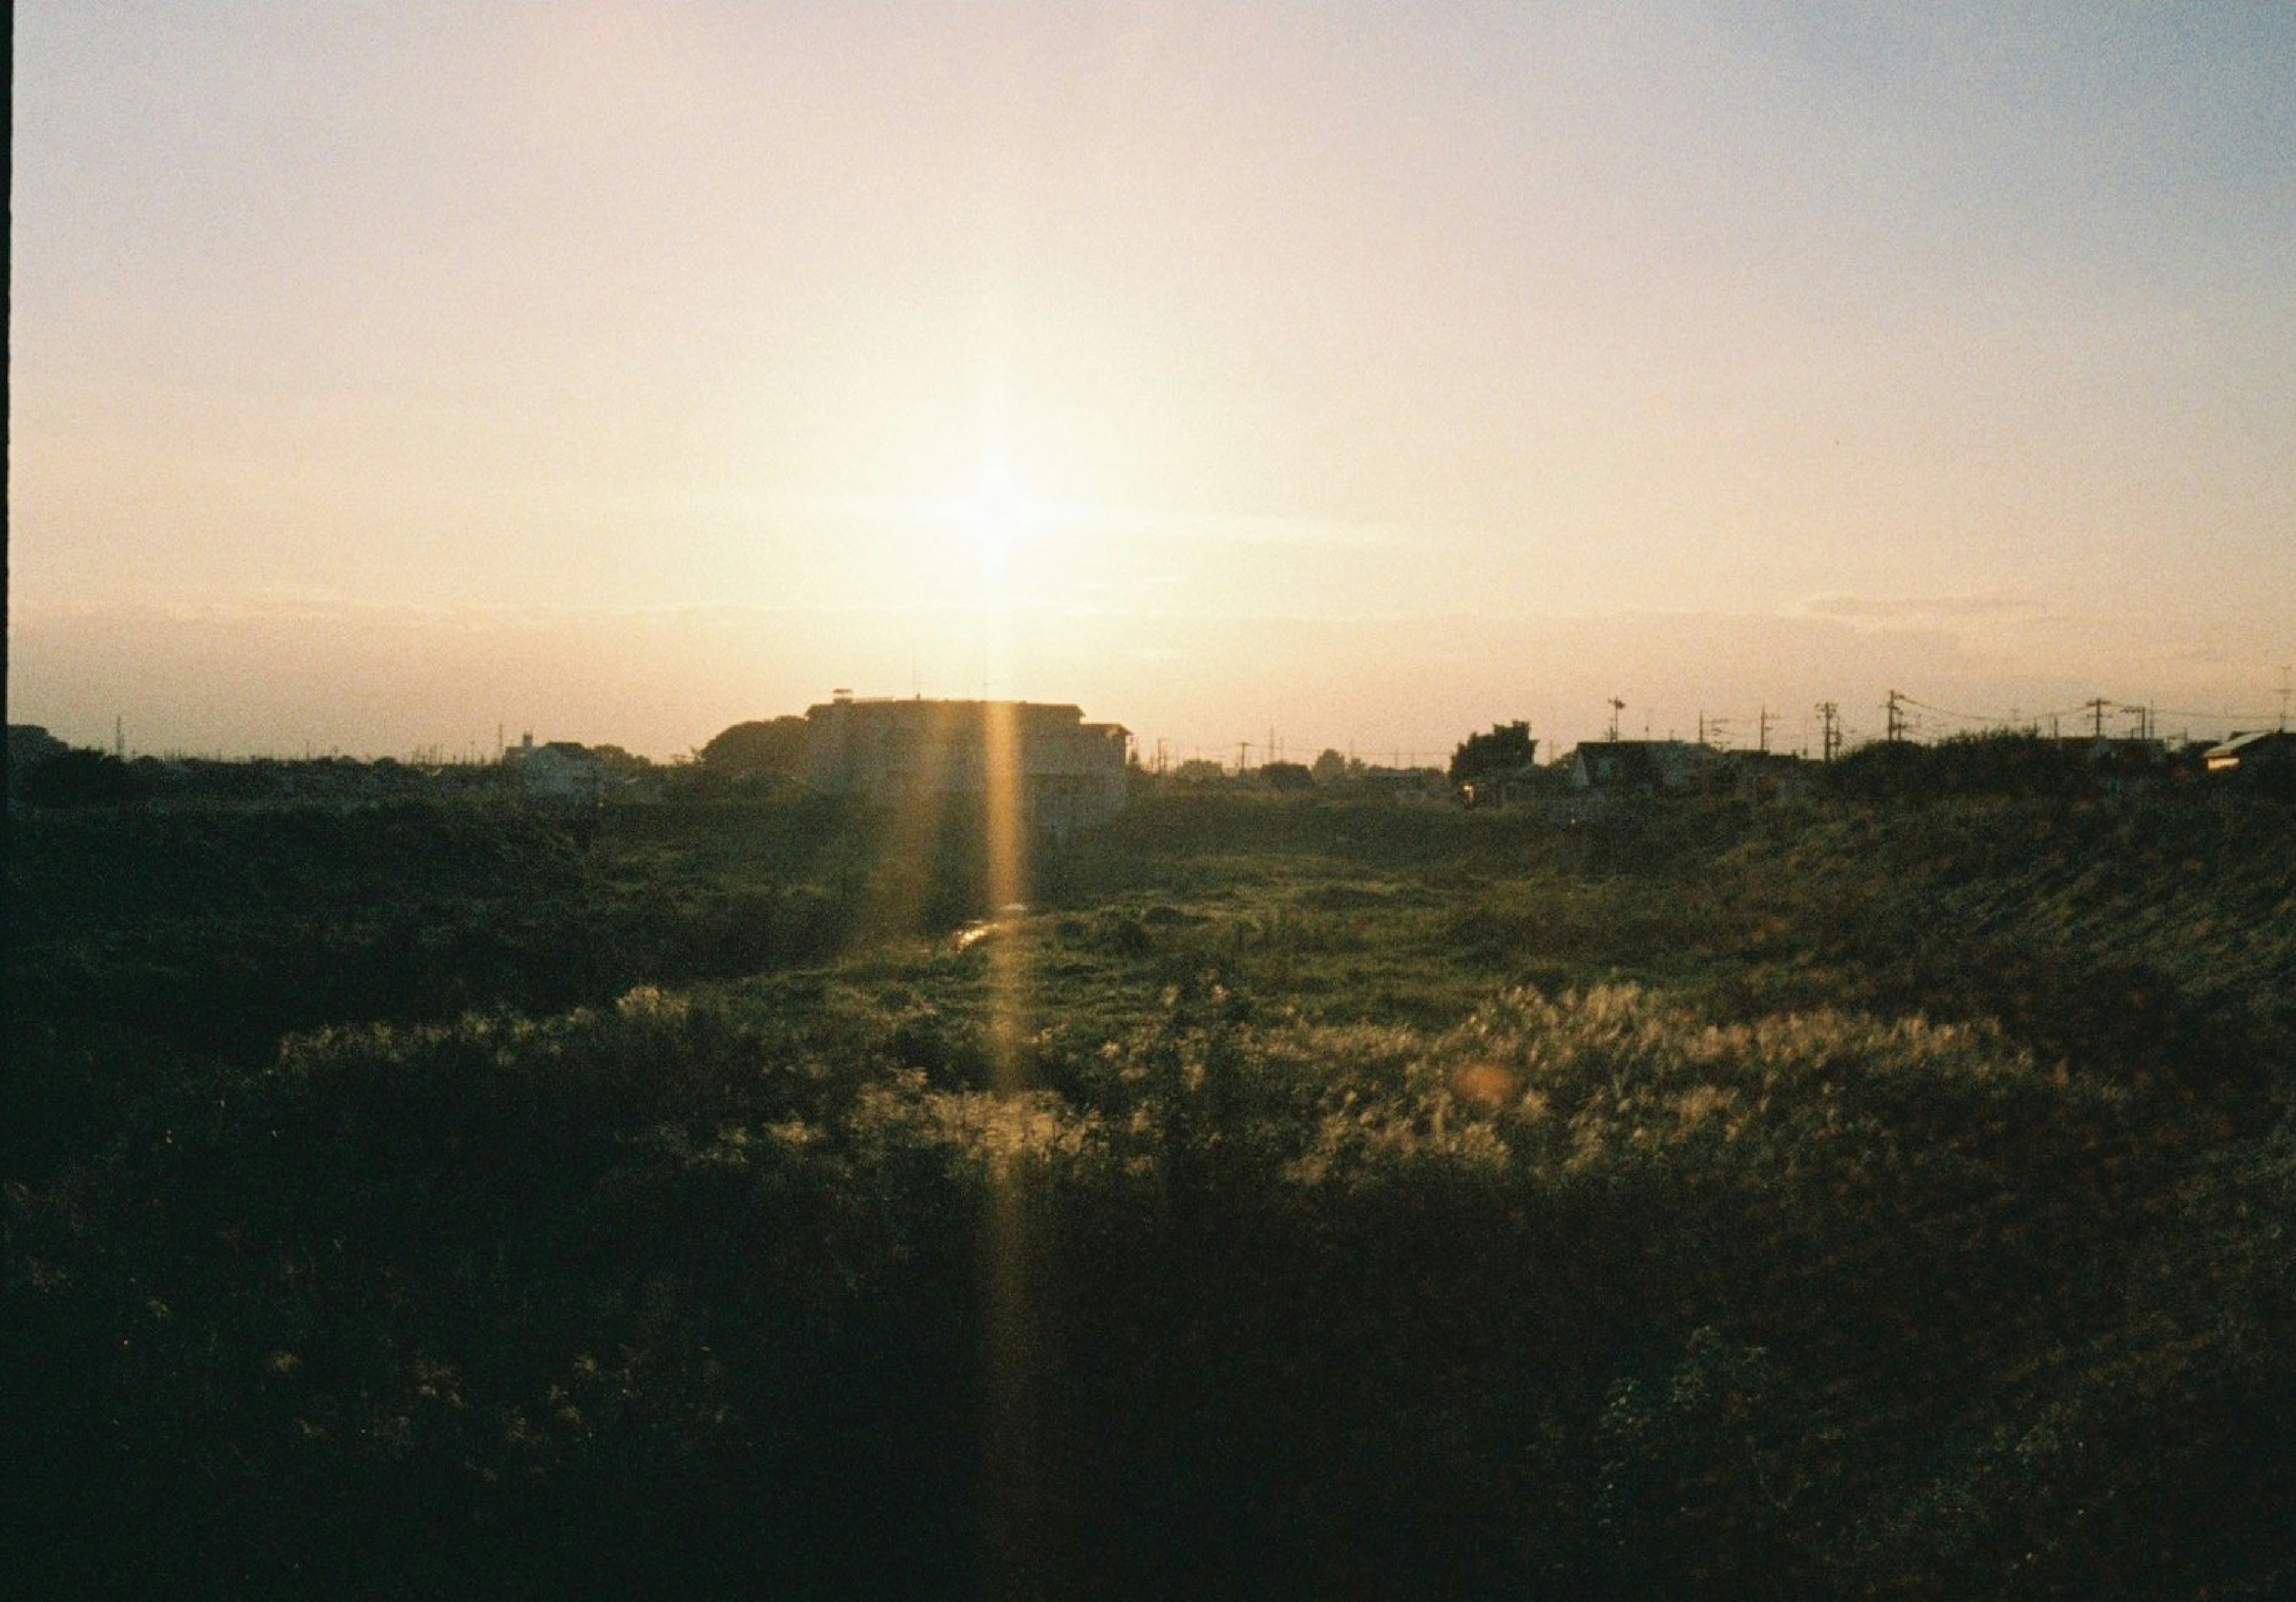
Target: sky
column 1340, row 375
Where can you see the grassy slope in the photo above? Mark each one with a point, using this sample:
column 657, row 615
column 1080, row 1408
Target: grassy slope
column 1415, row 1203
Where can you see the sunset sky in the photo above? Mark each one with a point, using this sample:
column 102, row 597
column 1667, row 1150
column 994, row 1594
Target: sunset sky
column 384, row 374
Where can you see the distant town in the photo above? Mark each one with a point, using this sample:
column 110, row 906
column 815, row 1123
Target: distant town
column 1069, row 772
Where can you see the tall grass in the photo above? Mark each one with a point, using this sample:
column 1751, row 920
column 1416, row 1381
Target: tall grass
column 1842, row 1204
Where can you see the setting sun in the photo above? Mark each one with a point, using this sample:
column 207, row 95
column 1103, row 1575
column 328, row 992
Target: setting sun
column 995, row 518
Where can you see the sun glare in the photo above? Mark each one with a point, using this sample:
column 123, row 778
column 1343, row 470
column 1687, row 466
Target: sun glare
column 994, row 518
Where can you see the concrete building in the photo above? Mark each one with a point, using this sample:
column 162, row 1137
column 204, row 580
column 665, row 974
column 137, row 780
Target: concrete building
column 1071, row 773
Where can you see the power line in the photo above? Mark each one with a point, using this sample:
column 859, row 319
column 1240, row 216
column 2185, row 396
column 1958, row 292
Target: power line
column 1990, row 717
column 1947, row 711
column 2170, row 712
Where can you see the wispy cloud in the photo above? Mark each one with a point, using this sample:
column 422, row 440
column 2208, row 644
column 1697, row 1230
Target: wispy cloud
column 1076, row 517
column 1985, row 606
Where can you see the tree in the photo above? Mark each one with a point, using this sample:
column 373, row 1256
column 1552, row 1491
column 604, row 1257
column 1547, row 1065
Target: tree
column 2005, row 762
column 82, row 779
column 1332, row 768
column 620, row 763
column 1506, row 749
column 1286, row 775
column 773, row 751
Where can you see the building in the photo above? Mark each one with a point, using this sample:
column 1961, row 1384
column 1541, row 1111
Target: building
column 1498, row 787
column 1639, row 766
column 1071, row 773
column 562, row 773
column 1405, row 784
column 2264, row 756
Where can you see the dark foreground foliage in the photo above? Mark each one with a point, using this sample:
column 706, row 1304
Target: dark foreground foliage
column 1315, row 1200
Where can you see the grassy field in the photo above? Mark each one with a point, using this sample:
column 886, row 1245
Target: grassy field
column 1301, row 1198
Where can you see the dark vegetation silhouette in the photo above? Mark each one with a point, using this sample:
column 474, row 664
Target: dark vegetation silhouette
column 2012, row 763
column 762, row 753
column 81, row 779
column 1832, row 1200
column 1506, row 749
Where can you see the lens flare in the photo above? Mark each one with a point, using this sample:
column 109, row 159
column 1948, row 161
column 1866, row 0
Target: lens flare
column 1014, row 1445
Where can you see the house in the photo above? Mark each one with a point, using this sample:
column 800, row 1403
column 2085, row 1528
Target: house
column 561, row 774
column 1498, row 787
column 1640, row 767
column 1405, row 784
column 2263, row 756
column 1069, row 773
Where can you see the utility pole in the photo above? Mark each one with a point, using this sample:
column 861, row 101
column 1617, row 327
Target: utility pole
column 1617, row 706
column 1242, row 762
column 1830, row 741
column 2095, row 709
column 119, row 738
column 1762, row 740
column 1896, row 717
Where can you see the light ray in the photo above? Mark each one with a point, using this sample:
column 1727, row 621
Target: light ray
column 1017, row 1472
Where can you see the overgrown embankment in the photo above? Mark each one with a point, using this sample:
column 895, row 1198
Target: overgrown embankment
column 1843, row 1203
